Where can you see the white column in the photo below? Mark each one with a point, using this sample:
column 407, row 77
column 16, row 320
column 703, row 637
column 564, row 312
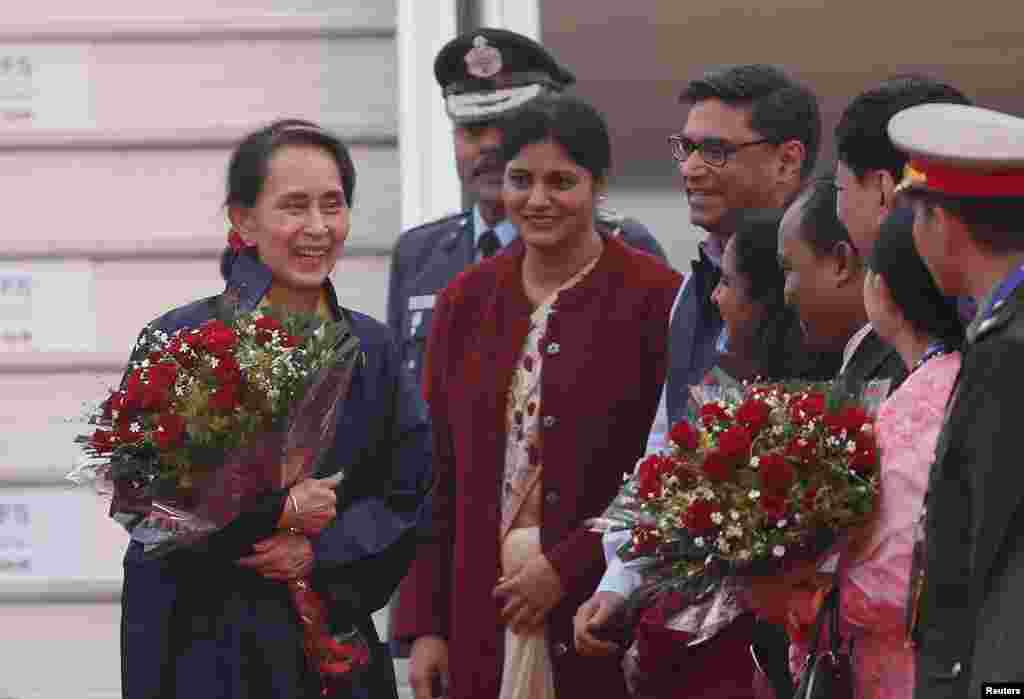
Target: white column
column 430, row 184
column 521, row 16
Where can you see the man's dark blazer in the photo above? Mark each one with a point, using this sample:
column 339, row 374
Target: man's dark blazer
column 873, row 360
column 971, row 618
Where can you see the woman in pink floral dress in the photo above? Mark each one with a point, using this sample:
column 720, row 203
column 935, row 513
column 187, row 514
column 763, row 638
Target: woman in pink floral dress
column 908, row 311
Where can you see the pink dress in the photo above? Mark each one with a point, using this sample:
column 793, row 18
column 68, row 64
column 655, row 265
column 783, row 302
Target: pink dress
column 874, row 587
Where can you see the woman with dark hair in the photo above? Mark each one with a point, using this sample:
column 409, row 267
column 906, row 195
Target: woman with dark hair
column 765, row 338
column 219, row 621
column 907, row 309
column 543, row 371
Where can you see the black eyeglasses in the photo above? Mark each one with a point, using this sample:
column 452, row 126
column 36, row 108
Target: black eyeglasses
column 714, row 152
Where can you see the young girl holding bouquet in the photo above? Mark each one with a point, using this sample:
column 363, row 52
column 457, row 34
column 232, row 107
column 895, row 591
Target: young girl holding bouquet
column 765, row 341
column 218, row 620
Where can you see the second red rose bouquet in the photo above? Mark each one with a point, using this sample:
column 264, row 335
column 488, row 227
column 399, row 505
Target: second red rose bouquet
column 761, row 474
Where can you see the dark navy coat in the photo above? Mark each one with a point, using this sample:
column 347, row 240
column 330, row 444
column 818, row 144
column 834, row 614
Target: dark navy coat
column 197, row 626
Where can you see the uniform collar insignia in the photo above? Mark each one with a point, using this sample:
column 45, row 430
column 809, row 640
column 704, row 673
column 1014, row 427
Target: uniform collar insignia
column 483, row 60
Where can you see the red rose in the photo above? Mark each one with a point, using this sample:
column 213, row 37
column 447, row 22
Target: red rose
column 290, row 340
column 133, row 389
column 649, row 474
column 225, row 398
column 710, row 413
column 191, row 338
column 179, row 349
column 801, row 450
column 102, row 441
column 265, row 328
column 865, row 459
column 716, row 467
column 774, row 506
column 154, row 392
column 776, row 473
column 697, row 517
column 645, row 540
column 217, row 337
column 163, row 374
column 114, row 404
column 803, row 410
column 336, row 667
column 850, row 418
column 684, row 436
column 735, row 443
column 227, row 370
column 156, row 357
column 807, row 501
column 170, row 431
column 754, row 415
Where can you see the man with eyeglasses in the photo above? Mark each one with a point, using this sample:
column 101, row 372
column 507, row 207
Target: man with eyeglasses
column 750, row 141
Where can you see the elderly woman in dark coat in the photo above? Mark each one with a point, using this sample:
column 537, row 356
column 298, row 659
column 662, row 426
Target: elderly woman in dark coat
column 219, row 622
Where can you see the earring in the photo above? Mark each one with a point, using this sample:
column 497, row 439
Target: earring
column 235, row 241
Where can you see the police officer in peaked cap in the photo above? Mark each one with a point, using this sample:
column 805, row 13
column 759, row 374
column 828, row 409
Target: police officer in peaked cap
column 485, row 76
column 965, row 181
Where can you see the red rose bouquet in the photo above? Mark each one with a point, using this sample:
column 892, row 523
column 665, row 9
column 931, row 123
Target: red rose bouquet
column 759, row 475
column 208, row 420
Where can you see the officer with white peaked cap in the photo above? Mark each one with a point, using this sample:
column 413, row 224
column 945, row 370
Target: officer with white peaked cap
column 965, row 180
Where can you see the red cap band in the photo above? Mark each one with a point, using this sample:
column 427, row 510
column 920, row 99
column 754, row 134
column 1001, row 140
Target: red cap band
column 958, row 182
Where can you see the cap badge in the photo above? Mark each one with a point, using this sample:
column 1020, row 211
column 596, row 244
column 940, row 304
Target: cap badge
column 483, row 60
column 912, row 177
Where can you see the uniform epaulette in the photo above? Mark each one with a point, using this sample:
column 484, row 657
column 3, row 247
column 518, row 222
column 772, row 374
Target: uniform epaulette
column 1002, row 313
column 439, row 221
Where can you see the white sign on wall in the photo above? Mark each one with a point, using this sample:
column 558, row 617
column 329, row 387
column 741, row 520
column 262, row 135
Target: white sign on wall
column 15, row 539
column 47, row 306
column 43, row 86
column 58, row 532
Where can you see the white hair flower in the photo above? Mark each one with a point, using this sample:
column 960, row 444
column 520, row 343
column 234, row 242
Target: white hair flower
column 779, row 551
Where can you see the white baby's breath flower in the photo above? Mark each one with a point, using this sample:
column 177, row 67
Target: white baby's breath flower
column 699, row 542
column 867, row 427
column 779, row 551
column 214, row 362
column 851, row 447
column 755, row 462
column 717, row 517
column 144, row 363
column 754, row 494
column 135, row 427
column 734, row 515
column 781, row 524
